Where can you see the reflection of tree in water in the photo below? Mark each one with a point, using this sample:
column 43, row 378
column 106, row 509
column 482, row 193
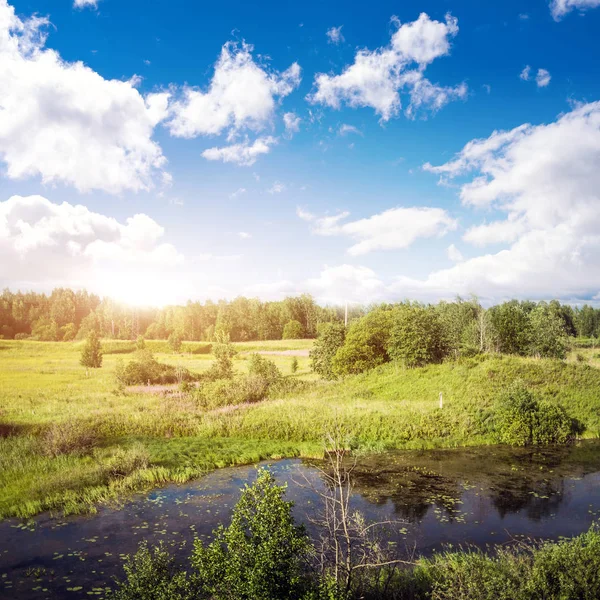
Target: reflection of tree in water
column 515, row 479
column 412, row 490
column 538, row 499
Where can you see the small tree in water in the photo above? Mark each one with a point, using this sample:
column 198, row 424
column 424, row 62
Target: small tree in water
column 91, row 355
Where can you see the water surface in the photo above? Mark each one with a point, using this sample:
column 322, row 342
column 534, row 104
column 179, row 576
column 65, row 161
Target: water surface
column 476, row 496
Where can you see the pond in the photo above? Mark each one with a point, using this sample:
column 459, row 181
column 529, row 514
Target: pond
column 472, row 496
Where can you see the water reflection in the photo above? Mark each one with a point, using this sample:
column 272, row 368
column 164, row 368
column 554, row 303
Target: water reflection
column 466, row 496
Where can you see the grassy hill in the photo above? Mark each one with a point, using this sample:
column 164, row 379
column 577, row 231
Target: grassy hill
column 68, row 441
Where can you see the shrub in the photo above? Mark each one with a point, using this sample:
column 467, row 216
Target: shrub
column 260, row 555
column 70, row 437
column 293, row 330
column 175, row 340
column 224, row 352
column 580, row 357
column 240, row 389
column 521, row 420
column 331, row 339
column 366, row 343
column 152, row 573
column 125, row 461
column 22, row 336
column 145, row 369
column 417, row 337
column 294, row 365
column 91, row 355
column 262, row 367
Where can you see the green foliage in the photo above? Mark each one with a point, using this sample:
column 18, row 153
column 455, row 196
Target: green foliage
column 175, row 340
column 366, row 343
column 331, row 339
column 140, row 343
column 512, row 327
column 521, row 420
column 144, row 369
column 293, row 330
column 548, row 338
column 294, row 365
column 260, row 555
column 152, row 573
column 417, row 337
column 68, row 332
column 263, row 368
column 231, row 391
column 223, row 351
column 69, row 437
column 565, row 570
column 91, row 355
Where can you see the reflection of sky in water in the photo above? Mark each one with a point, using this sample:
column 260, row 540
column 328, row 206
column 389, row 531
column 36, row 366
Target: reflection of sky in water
column 458, row 497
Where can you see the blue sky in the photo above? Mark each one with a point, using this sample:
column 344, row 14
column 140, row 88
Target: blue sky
column 515, row 220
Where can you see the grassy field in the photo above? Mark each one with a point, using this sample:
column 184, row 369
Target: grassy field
column 135, row 440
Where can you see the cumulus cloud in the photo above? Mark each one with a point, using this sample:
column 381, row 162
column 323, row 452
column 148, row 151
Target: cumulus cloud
column 85, row 3
column 292, row 123
column 525, row 73
column 244, row 153
column 241, row 95
column 65, row 123
column 454, row 254
column 43, row 242
column 377, row 77
column 545, row 179
column 334, row 35
column 542, row 78
column 395, row 228
column 560, row 8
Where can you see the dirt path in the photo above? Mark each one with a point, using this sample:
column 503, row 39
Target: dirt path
column 282, row 352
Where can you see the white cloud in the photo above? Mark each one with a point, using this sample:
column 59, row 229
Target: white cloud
column 242, row 95
column 334, row 35
column 454, row 254
column 304, row 214
column 336, row 285
column 276, row 188
column 245, row 235
column 395, row 228
column 63, row 122
column 345, row 129
column 546, row 180
column 43, row 242
column 560, row 8
column 244, row 153
column 85, row 3
column 377, row 77
column 525, row 73
column 292, row 123
column 523, row 16
column 542, row 78
column 237, row 193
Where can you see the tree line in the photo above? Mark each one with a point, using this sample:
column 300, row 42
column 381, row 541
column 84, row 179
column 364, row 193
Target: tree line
column 65, row 315
column 414, row 334
column 512, row 327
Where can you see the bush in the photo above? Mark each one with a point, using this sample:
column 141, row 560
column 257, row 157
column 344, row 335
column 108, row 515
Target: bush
column 125, row 461
column 22, row 336
column 366, row 343
column 331, row 339
column 224, row 352
column 294, row 365
column 260, row 555
column 417, row 337
column 522, row 421
column 175, row 341
column 70, row 437
column 264, row 368
column 293, row 330
column 145, row 369
column 240, row 389
column 91, row 355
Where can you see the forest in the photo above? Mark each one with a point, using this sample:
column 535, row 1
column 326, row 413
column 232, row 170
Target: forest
column 66, row 315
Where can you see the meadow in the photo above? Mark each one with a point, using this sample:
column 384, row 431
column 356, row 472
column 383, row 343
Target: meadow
column 70, row 440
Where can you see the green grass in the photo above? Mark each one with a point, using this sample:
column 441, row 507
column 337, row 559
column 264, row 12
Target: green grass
column 143, row 439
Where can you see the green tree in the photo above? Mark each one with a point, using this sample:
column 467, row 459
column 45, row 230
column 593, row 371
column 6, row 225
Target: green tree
column 223, row 352
column 366, row 344
column 512, row 327
column 417, row 337
column 548, row 338
column 260, row 555
column 293, row 330
column 68, row 332
column 175, row 341
column 91, row 355
column 294, row 365
column 331, row 339
column 140, row 343
column 264, row 368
